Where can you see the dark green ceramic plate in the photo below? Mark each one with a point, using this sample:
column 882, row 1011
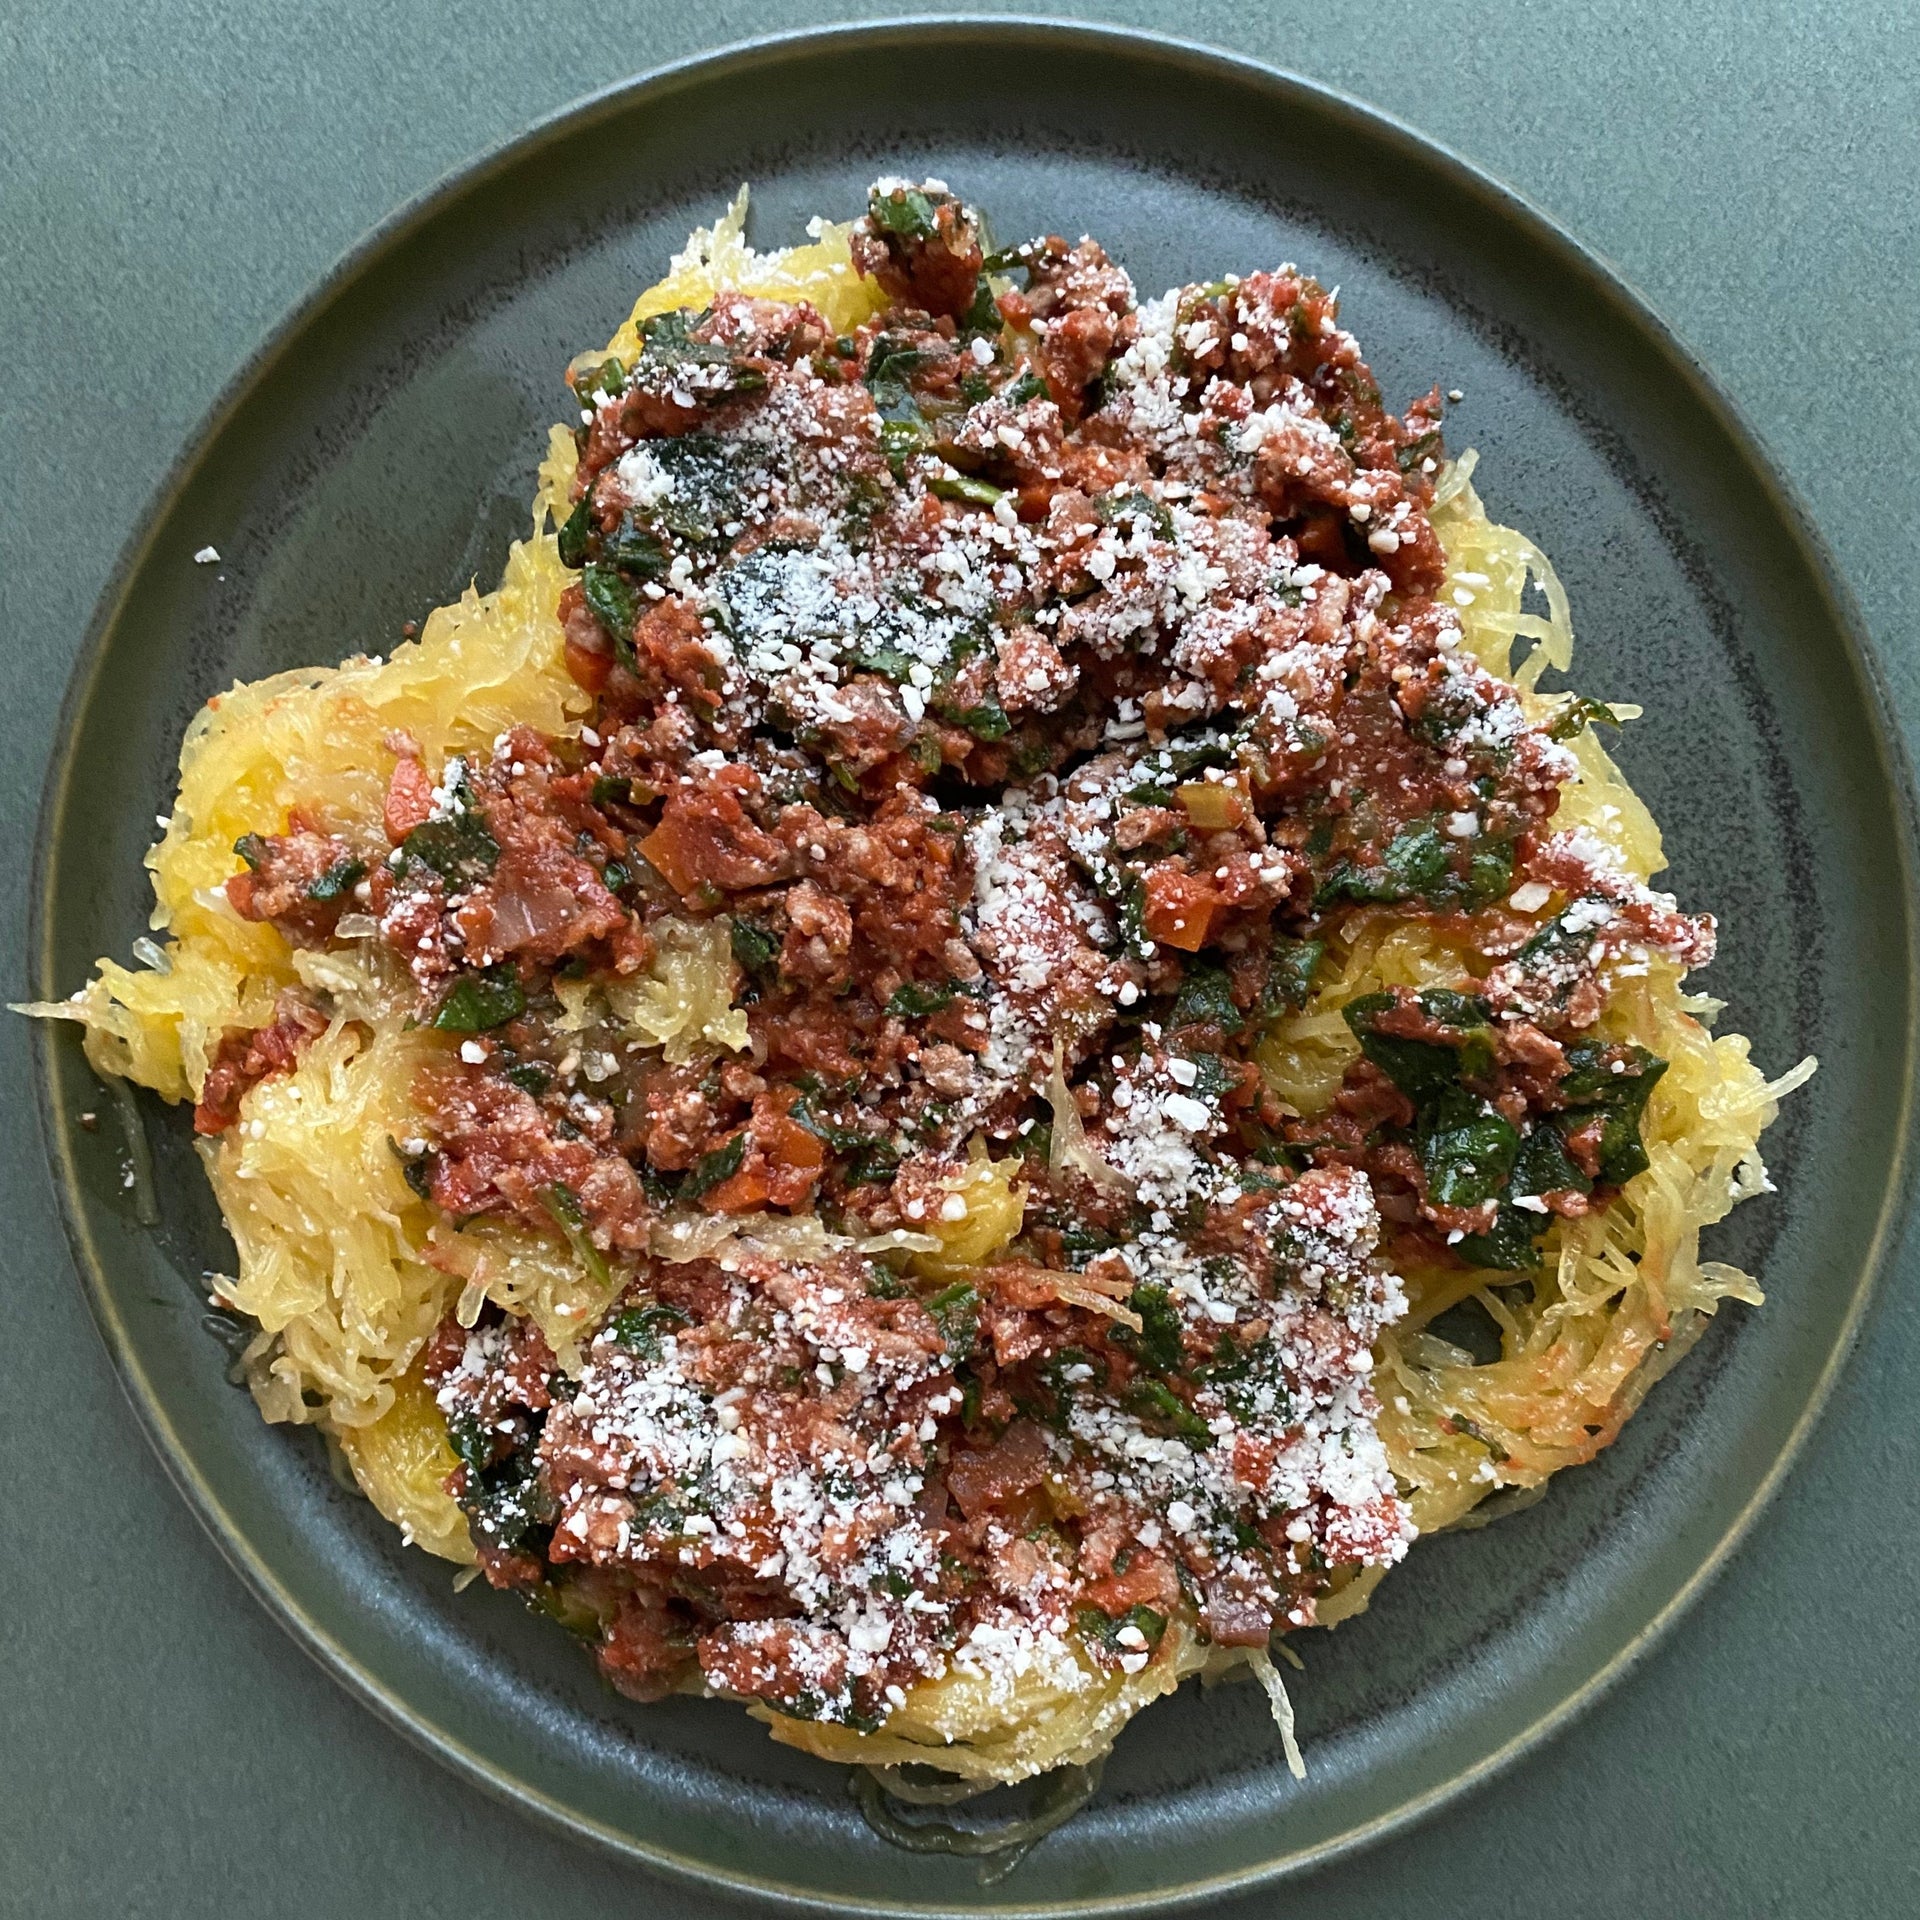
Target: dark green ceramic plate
column 380, row 452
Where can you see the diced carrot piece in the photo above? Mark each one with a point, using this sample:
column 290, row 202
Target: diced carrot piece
column 1179, row 909
column 789, row 1143
column 590, row 667
column 666, row 847
column 742, row 1193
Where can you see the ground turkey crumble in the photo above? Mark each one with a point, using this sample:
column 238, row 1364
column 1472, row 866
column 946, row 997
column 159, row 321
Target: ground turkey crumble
column 1013, row 692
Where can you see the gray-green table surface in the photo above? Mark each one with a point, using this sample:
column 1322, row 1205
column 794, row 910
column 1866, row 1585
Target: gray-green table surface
column 173, row 175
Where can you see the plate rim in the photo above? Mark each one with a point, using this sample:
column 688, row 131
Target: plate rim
column 1602, row 278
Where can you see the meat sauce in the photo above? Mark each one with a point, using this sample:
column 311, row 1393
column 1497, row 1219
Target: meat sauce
column 1028, row 680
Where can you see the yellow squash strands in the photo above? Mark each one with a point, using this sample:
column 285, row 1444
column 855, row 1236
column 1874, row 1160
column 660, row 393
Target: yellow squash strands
column 1624, row 1292
column 339, row 1260
column 347, row 1272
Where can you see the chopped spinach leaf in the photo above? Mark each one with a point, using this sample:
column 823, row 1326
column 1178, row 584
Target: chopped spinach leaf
column 564, row 1205
column 1543, row 1164
column 963, row 487
column 916, row 999
column 1131, row 503
column 479, row 1001
column 902, row 439
column 1417, row 865
column 983, row 312
column 1466, row 1151
column 905, row 212
column 1511, row 1244
column 416, row 1169
column 1103, row 1630
column 1158, row 1343
column 1154, row 1400
column 641, row 1328
column 1206, row 998
column 637, row 550
column 755, row 946
column 1578, row 715
column 956, row 1312
column 613, row 602
column 1290, row 969
column 1615, row 1083
column 459, row 848
column 1426, row 447
column 507, row 1504
column 471, row 1442
column 337, row 879
column 987, row 721
column 576, row 533
column 711, row 1169
column 1423, row 1069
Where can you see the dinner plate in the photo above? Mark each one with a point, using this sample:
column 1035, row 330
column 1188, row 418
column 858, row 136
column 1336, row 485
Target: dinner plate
column 379, row 452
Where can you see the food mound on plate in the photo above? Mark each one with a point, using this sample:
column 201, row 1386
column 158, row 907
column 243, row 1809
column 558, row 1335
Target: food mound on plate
column 879, row 1081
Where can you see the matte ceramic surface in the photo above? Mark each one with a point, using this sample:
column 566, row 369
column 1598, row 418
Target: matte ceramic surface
column 380, row 453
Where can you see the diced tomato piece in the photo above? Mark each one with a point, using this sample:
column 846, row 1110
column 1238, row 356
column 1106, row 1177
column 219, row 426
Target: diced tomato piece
column 409, row 799
column 794, row 1158
column 1253, row 1458
column 588, row 652
column 706, row 837
column 1013, row 1465
column 246, row 1055
column 675, row 853
column 1149, row 1581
